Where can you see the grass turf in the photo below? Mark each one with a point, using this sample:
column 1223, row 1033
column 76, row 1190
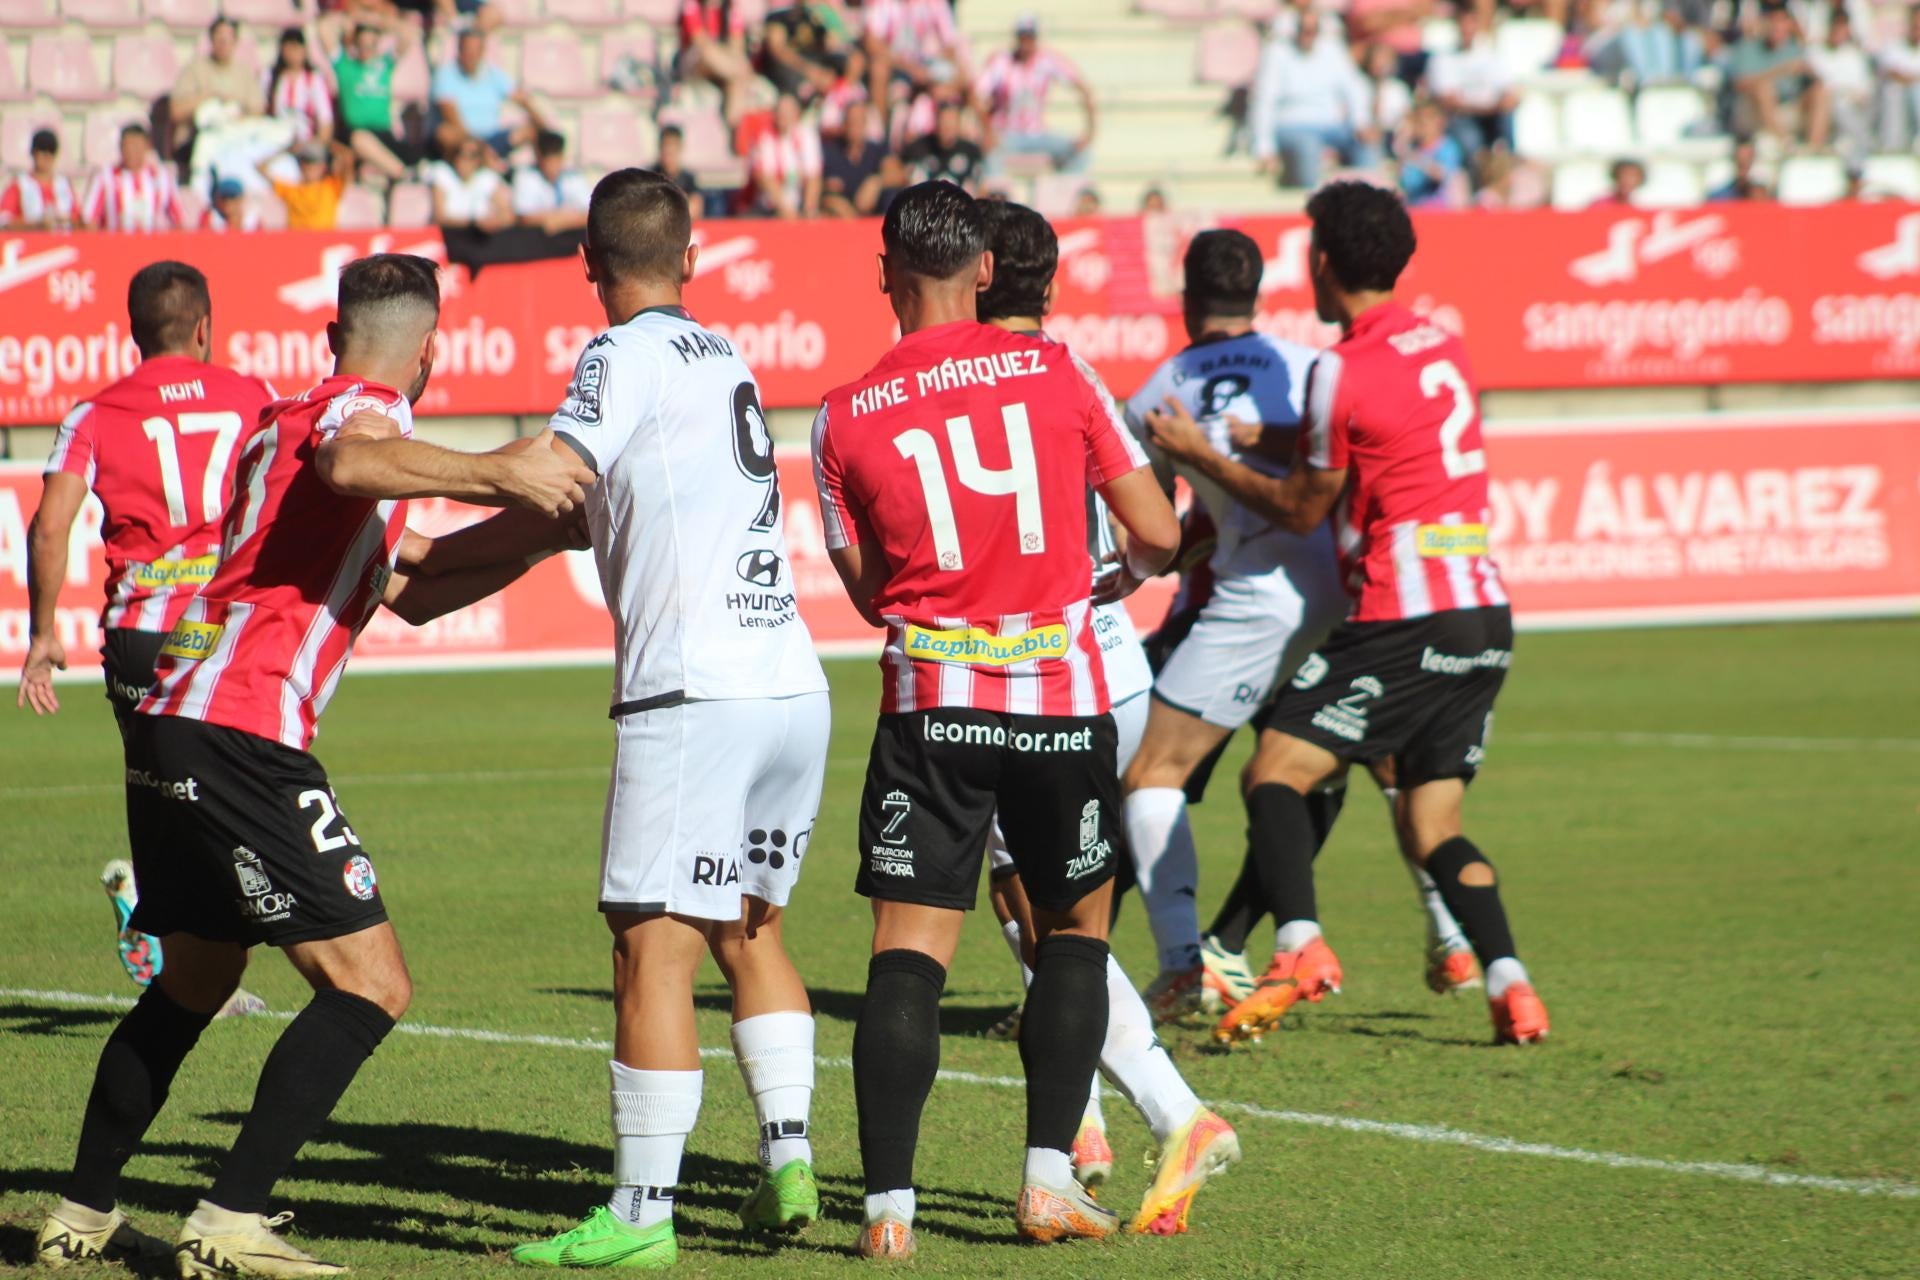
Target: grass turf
column 1724, row 930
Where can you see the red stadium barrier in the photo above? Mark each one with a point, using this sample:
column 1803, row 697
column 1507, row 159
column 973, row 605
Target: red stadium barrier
column 1733, row 293
column 1655, row 521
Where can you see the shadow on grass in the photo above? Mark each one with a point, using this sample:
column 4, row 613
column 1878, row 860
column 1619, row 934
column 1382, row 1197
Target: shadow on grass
column 25, row 1018
column 835, row 1006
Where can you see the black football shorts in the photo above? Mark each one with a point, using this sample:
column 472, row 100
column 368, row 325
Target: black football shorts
column 237, row 838
column 1417, row 690
column 127, row 657
column 936, row 778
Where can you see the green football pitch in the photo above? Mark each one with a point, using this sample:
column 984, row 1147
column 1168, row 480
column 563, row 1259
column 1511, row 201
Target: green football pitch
column 1710, row 842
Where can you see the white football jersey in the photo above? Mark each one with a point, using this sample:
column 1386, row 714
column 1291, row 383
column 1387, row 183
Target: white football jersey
column 1125, row 661
column 1255, row 378
column 686, row 517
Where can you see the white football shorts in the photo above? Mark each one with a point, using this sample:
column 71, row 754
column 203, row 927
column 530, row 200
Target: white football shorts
column 712, row 802
column 1129, row 723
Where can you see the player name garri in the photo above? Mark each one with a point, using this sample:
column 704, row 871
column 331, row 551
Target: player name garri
column 954, row 371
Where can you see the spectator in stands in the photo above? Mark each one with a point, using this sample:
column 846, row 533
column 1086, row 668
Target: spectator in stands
column 230, row 210
column 1472, row 85
column 1153, row 200
column 1662, row 44
column 848, row 87
column 476, row 14
column 1307, row 99
column 946, row 152
column 713, row 47
column 1504, row 182
column 221, row 98
column 1398, row 24
column 894, row 179
column 40, row 199
column 672, row 163
column 364, row 73
column 1432, row 164
column 1014, row 85
column 787, row 164
column 1086, row 203
column 1771, row 89
column 547, row 194
column 470, row 95
column 913, row 47
column 1844, row 71
column 850, row 168
column 1628, row 177
column 467, row 193
column 1744, row 185
column 313, row 200
column 1388, row 99
column 138, row 194
column 804, row 49
column 1899, row 63
column 298, row 93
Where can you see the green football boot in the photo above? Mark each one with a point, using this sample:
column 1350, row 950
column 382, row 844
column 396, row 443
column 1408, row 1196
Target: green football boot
column 786, row 1199
column 604, row 1240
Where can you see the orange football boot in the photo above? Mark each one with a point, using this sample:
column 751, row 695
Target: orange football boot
column 1049, row 1215
column 1307, row 974
column 1519, row 1016
column 887, row 1238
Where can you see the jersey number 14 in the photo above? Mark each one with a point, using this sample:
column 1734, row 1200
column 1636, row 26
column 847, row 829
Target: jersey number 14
column 1020, row 480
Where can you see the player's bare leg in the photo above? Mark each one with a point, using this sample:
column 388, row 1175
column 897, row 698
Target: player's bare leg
column 773, row 1044
column 1429, row 825
column 1161, row 841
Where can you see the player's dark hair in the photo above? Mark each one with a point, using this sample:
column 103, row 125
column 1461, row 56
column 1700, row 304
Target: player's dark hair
column 373, row 288
column 1025, row 255
column 45, row 141
column 638, row 226
column 549, row 143
column 1365, row 233
column 934, row 229
column 165, row 300
column 1223, row 269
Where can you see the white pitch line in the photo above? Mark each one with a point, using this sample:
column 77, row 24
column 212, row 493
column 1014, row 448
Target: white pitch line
column 1433, row 1134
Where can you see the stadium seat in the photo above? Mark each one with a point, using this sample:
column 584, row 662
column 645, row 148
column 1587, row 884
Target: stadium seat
column 555, row 64
column 1054, row 193
column 1671, row 184
column 15, row 14
column 1596, row 122
column 616, row 47
column 1536, row 125
column 586, row 13
column 519, row 13
column 751, row 12
column 1811, row 180
column 661, row 13
column 614, row 135
column 1251, row 10
column 1896, row 176
column 1178, row 10
column 100, row 142
column 273, row 214
column 191, row 207
column 1578, row 183
column 1228, row 55
column 183, row 15
column 1527, row 46
column 62, row 68
column 11, row 89
column 1664, row 114
column 104, row 14
column 144, row 66
column 361, row 210
column 409, row 204
column 19, row 124
column 412, row 77
column 262, row 13
column 708, row 145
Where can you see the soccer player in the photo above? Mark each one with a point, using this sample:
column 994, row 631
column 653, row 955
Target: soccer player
column 1274, row 594
column 953, row 480
column 722, row 719
column 1194, row 1143
column 237, row 837
column 1391, row 447
column 157, row 448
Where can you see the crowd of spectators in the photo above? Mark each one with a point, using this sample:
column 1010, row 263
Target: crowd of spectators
column 1356, row 86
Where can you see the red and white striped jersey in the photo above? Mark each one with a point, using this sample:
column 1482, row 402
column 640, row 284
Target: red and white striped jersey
column 123, row 199
column 305, row 98
column 1393, row 402
column 784, row 161
column 964, row 458
column 1016, row 92
column 29, row 200
column 263, row 645
column 920, row 29
column 158, row 448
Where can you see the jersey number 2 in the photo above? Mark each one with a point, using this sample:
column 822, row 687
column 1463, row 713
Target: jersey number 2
column 1020, row 480
column 225, row 426
column 1444, row 375
column 753, row 450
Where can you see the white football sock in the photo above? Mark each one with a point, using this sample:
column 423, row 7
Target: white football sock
column 775, row 1053
column 1138, row 1065
column 653, row 1112
column 1168, row 869
column 1048, row 1167
column 1442, row 929
column 898, row 1203
column 1093, row 1114
column 1503, row 973
column 1011, row 932
column 1295, row 934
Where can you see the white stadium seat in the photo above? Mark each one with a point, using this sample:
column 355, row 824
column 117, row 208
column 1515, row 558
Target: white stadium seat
column 1596, row 122
column 1578, row 183
column 1811, row 180
column 1536, row 125
column 1671, row 184
column 1664, row 114
column 1895, row 176
column 1527, row 46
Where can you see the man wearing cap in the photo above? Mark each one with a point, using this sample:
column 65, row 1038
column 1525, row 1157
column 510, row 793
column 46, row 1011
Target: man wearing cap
column 1014, row 88
column 41, row 199
column 229, row 209
column 313, row 202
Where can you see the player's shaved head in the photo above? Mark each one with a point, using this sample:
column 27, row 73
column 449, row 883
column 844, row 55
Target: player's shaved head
column 166, row 302
column 638, row 228
column 934, row 230
column 1026, row 253
column 1363, row 234
column 1223, row 270
column 389, row 308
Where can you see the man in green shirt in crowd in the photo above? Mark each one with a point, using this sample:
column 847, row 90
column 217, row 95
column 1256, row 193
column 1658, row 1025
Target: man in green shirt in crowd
column 364, row 72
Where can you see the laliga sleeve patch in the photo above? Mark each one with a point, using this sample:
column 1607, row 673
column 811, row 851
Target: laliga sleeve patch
column 589, row 381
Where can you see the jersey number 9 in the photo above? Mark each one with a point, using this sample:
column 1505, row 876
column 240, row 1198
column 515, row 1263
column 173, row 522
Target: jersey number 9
column 753, row 450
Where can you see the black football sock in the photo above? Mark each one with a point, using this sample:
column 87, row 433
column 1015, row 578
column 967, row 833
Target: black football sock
column 1476, row 906
column 896, row 1054
column 1282, row 841
column 1061, row 1033
column 1241, row 910
column 130, row 1085
column 1323, row 808
column 311, row 1065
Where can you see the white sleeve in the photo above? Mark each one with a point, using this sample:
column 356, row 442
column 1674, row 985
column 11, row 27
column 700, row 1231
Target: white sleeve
column 616, row 383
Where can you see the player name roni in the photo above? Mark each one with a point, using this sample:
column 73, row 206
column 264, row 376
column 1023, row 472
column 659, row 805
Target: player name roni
column 963, row 371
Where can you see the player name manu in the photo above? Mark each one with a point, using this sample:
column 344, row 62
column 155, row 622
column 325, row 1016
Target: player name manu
column 954, row 371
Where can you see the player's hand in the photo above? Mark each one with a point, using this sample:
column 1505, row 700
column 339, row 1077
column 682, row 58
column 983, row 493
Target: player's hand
column 1175, row 432
column 45, row 656
column 574, row 533
column 369, row 424
column 548, row 477
column 1117, row 583
column 1243, row 434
